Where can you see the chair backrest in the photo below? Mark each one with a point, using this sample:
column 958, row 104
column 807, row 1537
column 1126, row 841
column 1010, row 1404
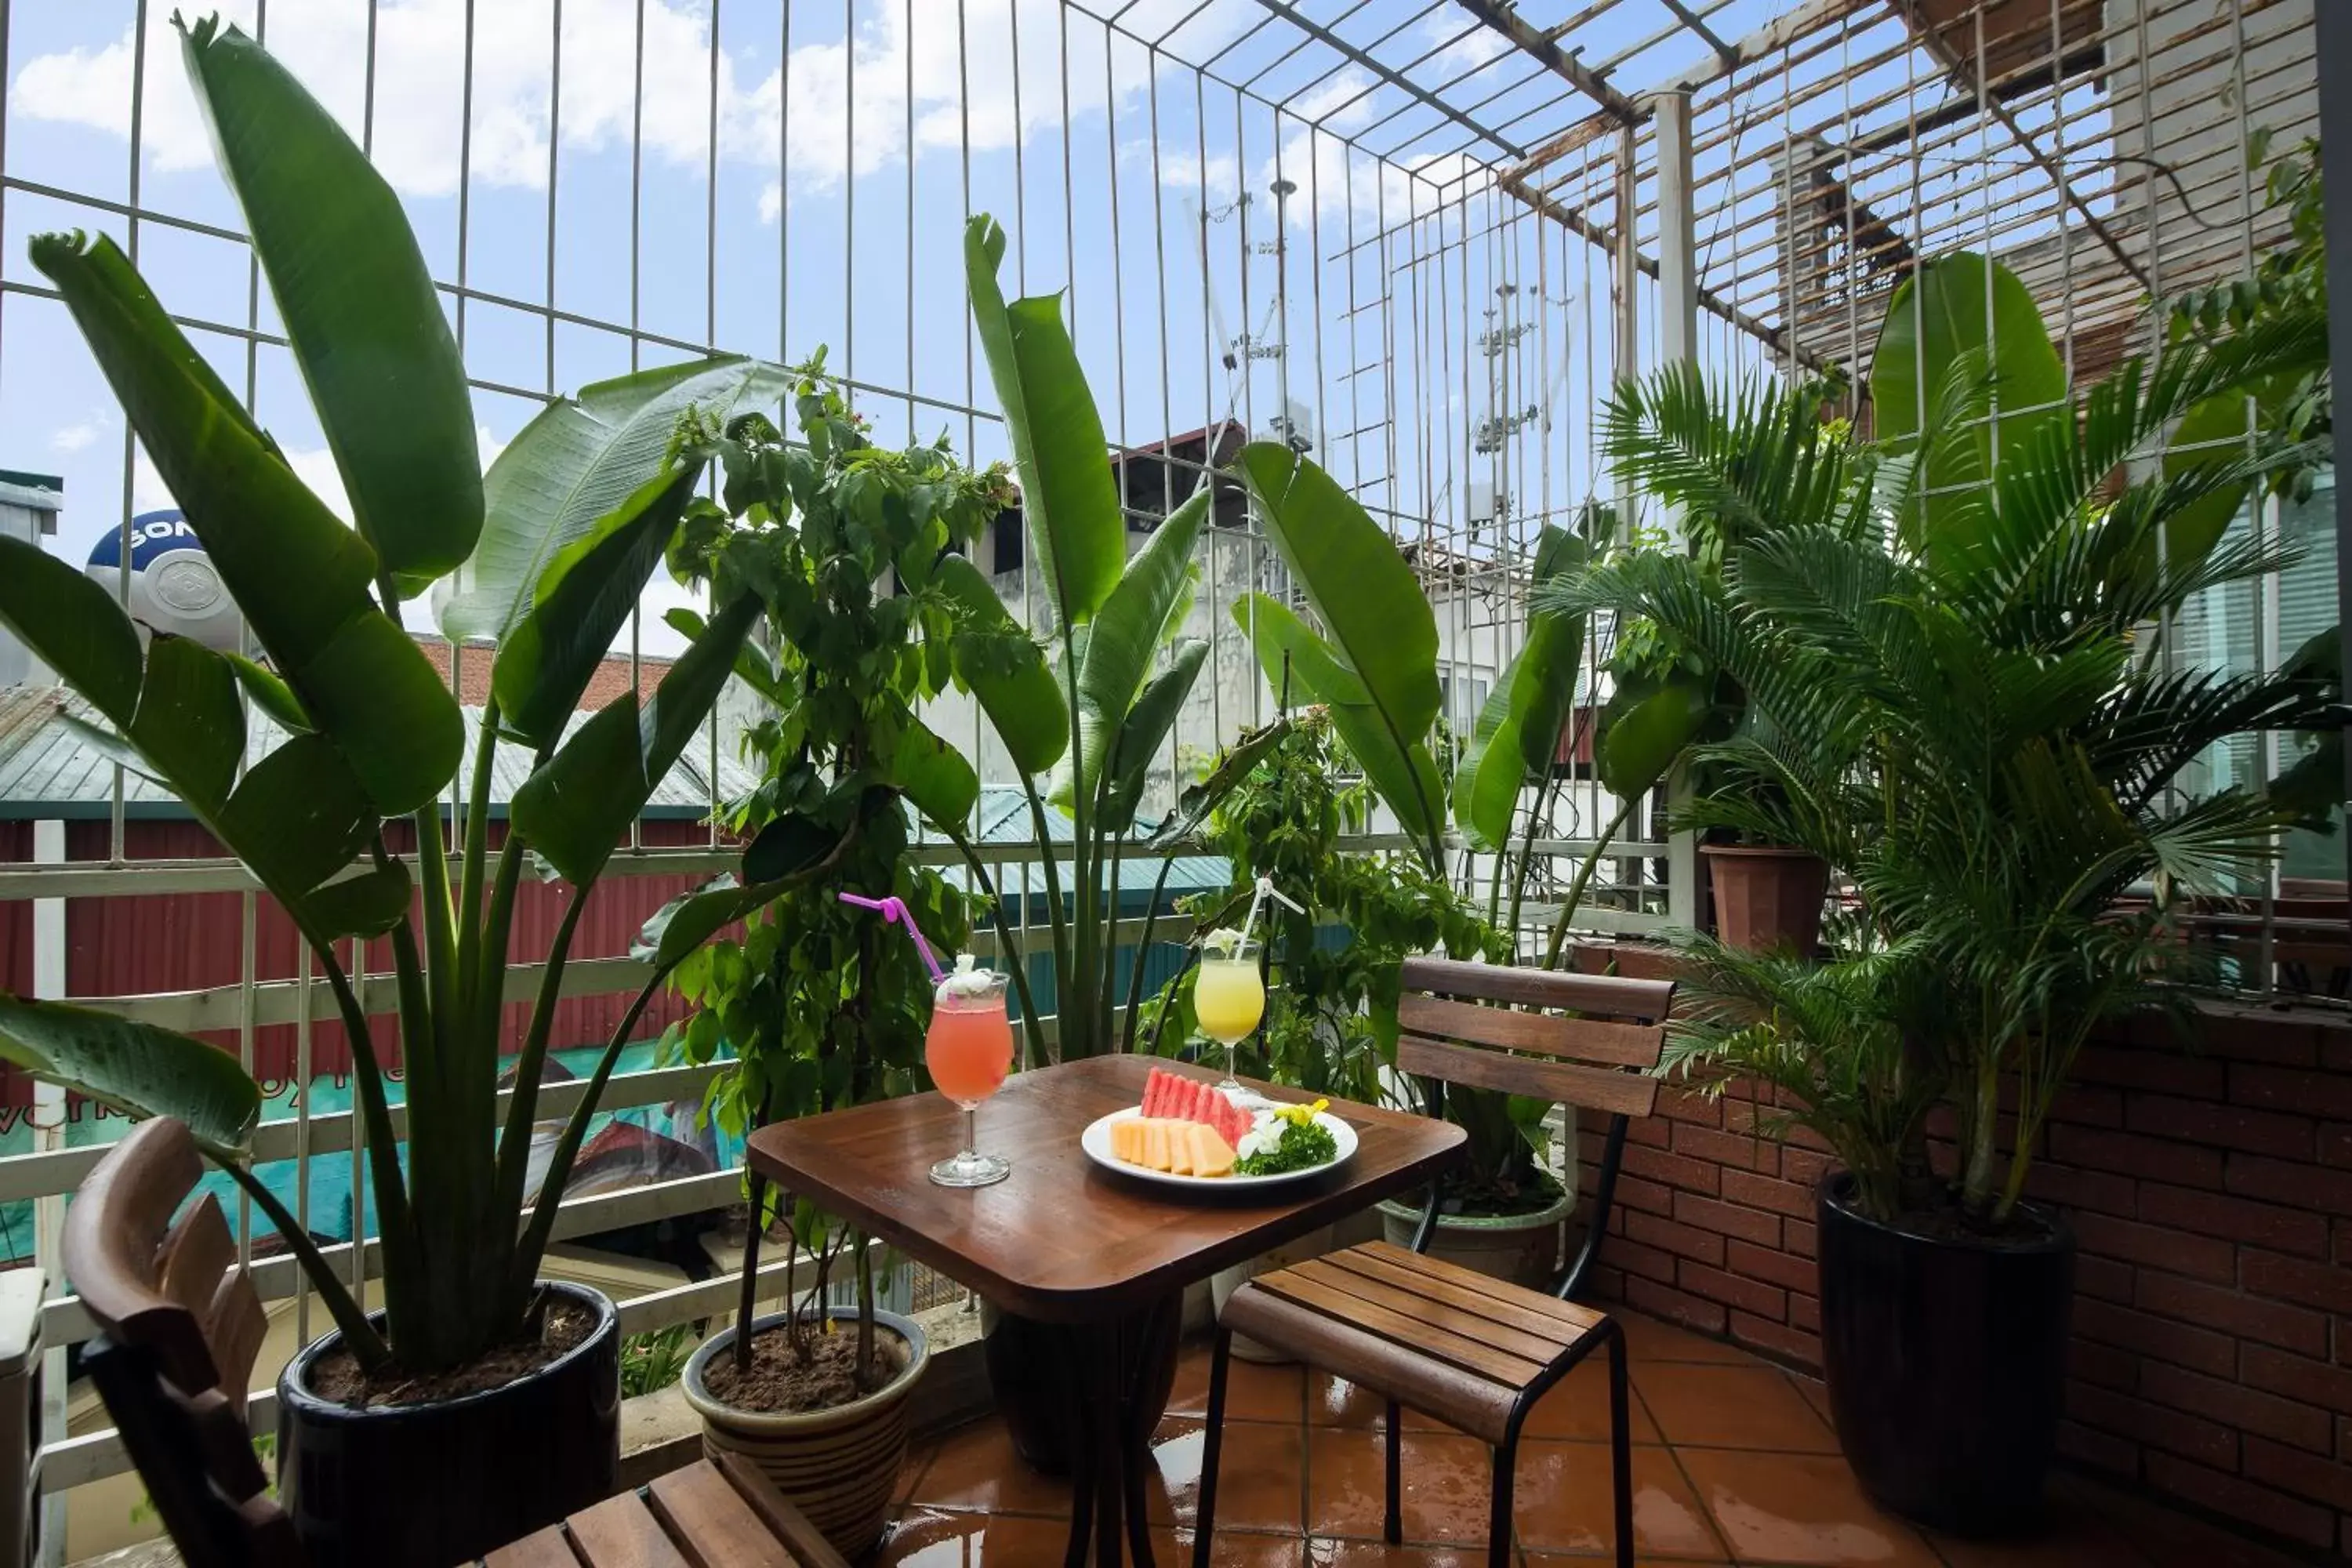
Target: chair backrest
column 182, row 1326
column 1598, row 1059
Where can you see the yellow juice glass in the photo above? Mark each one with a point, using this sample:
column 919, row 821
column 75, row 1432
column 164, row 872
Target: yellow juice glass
column 1229, row 1000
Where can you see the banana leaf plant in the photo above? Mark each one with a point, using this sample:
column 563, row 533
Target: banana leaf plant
column 1373, row 663
column 1082, row 727
column 551, row 550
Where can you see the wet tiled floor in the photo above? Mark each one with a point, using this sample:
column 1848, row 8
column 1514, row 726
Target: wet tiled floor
column 1734, row 1463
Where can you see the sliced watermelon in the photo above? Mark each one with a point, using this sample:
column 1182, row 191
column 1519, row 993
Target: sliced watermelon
column 1196, row 1101
column 1237, row 1122
column 1155, row 1089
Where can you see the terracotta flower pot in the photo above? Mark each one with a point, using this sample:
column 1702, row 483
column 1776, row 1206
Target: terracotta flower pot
column 1523, row 1248
column 841, row 1465
column 1767, row 896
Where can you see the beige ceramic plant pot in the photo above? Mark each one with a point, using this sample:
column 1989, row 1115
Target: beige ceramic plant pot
column 1523, row 1248
column 840, row 1466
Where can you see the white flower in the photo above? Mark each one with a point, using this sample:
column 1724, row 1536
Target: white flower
column 1264, row 1137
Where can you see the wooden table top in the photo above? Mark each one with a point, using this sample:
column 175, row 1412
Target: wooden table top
column 1061, row 1238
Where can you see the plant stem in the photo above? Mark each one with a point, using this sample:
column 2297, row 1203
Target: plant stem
column 1016, row 960
column 1134, row 971
column 747, row 1294
column 358, row 1333
column 514, row 1148
column 525, row 1268
column 1576, row 887
column 393, row 1217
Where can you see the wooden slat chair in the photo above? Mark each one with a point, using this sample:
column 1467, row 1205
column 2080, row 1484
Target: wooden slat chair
column 1470, row 1350
column 182, row 1324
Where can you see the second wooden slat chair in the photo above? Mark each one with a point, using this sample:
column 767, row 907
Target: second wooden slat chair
column 1475, row 1351
column 182, row 1324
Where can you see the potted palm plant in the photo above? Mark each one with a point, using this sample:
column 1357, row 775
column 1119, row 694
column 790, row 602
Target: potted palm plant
column 823, row 1007
column 1967, row 722
column 472, row 1357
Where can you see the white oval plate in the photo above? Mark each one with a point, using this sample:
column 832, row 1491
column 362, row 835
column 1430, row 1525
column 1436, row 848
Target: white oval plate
column 1096, row 1141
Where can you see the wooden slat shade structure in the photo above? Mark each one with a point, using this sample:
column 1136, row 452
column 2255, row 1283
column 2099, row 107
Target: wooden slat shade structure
column 182, row 1324
column 1471, row 1350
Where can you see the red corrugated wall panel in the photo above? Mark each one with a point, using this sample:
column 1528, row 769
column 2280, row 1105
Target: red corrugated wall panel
column 127, row 945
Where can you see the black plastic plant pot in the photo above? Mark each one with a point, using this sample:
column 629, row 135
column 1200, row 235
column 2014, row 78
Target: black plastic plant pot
column 1030, row 1364
column 404, row 1484
column 1945, row 1358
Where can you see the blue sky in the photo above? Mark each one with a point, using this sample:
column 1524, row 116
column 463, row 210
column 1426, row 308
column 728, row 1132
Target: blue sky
column 890, row 307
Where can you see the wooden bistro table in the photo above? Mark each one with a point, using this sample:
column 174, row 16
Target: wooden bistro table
column 1062, row 1240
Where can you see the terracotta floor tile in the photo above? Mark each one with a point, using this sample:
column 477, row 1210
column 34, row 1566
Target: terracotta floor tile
column 1447, row 1477
column 1817, row 1395
column 1799, row 1507
column 2072, row 1535
column 925, row 1538
column 1654, row 1338
column 1233, row 1548
column 1732, row 1407
column 1335, row 1553
column 911, row 1469
column 974, row 1468
column 1258, row 1474
column 1553, row 1559
column 1254, row 1392
column 1333, row 1401
column 1563, row 1503
column 1579, row 1406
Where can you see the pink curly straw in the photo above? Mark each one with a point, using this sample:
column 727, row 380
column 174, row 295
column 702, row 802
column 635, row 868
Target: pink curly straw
column 894, row 910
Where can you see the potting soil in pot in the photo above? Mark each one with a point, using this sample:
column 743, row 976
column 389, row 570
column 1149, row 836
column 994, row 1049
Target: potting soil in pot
column 338, row 1376
column 778, row 1383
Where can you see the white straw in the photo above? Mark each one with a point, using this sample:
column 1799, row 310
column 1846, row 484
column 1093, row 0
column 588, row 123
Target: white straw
column 1266, row 890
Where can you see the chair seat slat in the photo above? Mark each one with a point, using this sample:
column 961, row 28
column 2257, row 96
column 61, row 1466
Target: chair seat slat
column 1424, row 1307
column 1412, row 1336
column 1583, row 1319
column 1504, row 1303
column 549, row 1548
column 621, row 1532
column 712, row 1523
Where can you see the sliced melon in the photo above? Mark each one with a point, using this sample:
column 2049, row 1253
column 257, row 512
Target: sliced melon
column 1180, row 1147
column 1212, row 1155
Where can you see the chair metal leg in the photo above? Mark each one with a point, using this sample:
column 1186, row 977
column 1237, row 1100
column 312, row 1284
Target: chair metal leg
column 1498, row 1519
column 1392, row 1520
column 1205, row 1521
column 1621, row 1450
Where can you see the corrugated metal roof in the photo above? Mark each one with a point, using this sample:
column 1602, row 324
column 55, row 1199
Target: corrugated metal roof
column 49, row 770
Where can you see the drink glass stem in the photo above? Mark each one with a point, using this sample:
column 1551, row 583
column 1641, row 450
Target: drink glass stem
column 970, row 1134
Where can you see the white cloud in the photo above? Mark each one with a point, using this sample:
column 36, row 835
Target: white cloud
column 952, row 84
column 77, row 437
column 314, row 466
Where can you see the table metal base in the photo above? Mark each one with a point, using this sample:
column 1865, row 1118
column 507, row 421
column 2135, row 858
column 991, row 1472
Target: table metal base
column 1110, row 1361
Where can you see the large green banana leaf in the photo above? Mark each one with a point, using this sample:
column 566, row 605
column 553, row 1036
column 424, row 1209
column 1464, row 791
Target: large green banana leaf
column 1067, row 493
column 1005, row 669
column 1133, row 624
column 362, row 314
column 296, row 819
column 1519, row 731
column 1405, row 776
column 575, row 463
column 137, row 1069
column 1144, row 730
column 934, row 776
column 1195, row 801
column 575, row 809
column 300, row 577
column 799, row 847
column 1379, row 622
column 1645, row 727
column 583, row 600
column 1955, row 305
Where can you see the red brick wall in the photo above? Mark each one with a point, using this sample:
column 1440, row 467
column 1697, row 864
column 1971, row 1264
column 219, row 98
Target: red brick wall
column 2210, row 1191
